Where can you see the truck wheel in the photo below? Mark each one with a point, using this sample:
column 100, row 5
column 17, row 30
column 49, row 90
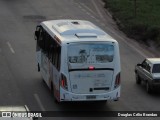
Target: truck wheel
column 148, row 87
column 138, row 80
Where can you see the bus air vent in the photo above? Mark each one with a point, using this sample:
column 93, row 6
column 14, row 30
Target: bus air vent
column 86, row 35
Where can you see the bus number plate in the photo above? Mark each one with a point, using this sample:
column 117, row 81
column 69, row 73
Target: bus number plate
column 91, row 97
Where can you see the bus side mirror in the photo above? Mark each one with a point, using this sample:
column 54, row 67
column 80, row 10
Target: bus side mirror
column 36, row 34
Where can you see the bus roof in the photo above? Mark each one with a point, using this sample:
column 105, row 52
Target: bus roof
column 75, row 31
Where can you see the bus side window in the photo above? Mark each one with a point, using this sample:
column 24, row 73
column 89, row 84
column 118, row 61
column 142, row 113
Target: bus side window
column 49, row 45
column 45, row 43
column 40, row 38
column 50, row 54
column 54, row 53
column 56, row 56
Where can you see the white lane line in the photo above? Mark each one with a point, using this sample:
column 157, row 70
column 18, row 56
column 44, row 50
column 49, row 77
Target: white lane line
column 39, row 102
column 99, row 12
column 10, row 47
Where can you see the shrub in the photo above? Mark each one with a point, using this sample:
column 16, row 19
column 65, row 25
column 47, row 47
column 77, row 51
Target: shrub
column 153, row 33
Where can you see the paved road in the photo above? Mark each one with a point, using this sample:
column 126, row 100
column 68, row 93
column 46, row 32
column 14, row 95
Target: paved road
column 21, row 84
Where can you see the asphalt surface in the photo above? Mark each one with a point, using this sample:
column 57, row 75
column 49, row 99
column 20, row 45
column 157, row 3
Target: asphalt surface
column 21, row 84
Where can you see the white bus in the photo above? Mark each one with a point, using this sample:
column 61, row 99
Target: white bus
column 78, row 61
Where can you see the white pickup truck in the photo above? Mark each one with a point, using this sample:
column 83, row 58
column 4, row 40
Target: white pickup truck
column 149, row 72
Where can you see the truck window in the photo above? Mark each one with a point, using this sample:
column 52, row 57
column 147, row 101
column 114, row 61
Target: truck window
column 146, row 66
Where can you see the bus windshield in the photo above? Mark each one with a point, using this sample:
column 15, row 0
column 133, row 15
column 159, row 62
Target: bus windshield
column 91, row 53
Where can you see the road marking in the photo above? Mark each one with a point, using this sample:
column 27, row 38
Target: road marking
column 39, row 102
column 10, row 47
column 99, row 12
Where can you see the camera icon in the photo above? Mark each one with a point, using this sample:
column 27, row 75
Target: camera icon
column 6, row 114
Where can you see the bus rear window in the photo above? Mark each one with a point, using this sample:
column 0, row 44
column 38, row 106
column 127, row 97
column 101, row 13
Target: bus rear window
column 90, row 53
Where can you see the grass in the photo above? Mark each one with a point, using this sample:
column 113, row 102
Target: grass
column 141, row 22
